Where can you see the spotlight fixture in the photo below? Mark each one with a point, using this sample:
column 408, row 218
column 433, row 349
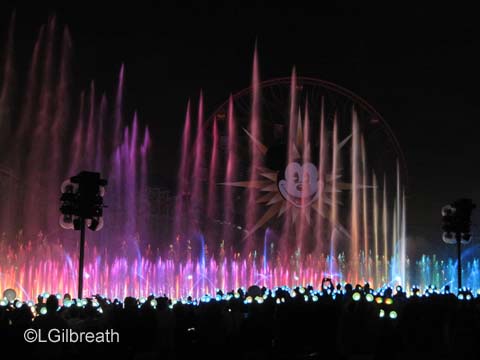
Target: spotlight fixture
column 456, row 223
column 82, row 204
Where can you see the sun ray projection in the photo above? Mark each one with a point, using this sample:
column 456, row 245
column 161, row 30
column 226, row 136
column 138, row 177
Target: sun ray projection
column 297, row 190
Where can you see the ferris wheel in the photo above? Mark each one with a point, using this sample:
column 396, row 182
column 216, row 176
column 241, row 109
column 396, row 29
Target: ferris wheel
column 382, row 161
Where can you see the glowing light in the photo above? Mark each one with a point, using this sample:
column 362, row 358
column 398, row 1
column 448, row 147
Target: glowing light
column 393, row 314
column 382, row 313
column 67, row 303
column 315, row 298
column 43, row 310
column 460, row 296
column 369, row 297
column 153, row 303
column 378, row 300
column 3, row 302
column 389, row 301
column 9, row 294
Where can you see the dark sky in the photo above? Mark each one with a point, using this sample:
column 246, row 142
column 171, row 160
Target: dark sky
column 418, row 69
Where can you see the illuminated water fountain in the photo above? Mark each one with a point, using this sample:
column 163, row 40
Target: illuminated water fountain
column 284, row 176
column 50, row 133
column 289, row 181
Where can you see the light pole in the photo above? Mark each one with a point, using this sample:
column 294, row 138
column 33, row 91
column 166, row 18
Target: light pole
column 82, row 204
column 456, row 220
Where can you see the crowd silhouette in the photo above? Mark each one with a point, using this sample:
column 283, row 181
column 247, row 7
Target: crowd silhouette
column 344, row 322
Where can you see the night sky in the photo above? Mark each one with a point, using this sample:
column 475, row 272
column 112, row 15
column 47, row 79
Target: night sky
column 420, row 71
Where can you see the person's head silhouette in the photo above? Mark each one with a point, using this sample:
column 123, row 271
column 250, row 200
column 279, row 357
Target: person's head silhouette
column 52, row 304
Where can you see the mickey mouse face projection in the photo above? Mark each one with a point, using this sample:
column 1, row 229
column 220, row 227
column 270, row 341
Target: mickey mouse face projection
column 296, row 187
column 301, row 184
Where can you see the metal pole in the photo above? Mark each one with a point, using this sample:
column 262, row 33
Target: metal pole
column 80, row 260
column 459, row 266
